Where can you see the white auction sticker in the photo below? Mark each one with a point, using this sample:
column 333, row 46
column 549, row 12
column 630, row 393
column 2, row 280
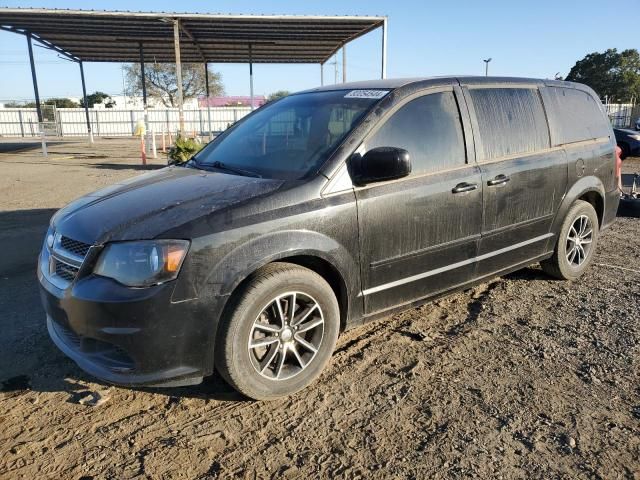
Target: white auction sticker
column 366, row 94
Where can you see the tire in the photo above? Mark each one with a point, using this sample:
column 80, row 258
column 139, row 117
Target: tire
column 626, row 151
column 564, row 264
column 252, row 338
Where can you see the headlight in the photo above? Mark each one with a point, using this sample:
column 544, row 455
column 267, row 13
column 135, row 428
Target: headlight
column 142, row 263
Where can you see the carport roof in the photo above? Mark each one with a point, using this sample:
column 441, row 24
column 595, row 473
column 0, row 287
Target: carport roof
column 102, row 36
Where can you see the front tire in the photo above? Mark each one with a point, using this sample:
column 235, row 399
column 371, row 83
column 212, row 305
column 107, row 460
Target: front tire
column 576, row 243
column 280, row 334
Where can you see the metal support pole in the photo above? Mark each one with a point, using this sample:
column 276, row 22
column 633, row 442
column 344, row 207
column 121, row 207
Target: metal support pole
column 251, row 76
column 143, row 80
column 206, row 81
column 176, row 46
column 21, row 124
column 322, row 74
column 37, row 95
column 84, row 101
column 344, row 64
column 34, row 78
column 384, row 48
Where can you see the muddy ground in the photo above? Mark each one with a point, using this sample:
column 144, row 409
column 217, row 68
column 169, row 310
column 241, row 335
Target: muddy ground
column 520, row 377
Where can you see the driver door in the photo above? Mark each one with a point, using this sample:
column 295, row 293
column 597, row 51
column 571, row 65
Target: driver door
column 419, row 234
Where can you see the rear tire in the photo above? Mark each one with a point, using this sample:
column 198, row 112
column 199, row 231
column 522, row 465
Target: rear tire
column 576, row 243
column 280, row 334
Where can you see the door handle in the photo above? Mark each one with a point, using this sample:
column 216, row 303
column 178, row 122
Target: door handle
column 499, row 180
column 464, row 187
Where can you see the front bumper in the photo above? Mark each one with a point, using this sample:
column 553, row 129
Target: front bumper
column 129, row 336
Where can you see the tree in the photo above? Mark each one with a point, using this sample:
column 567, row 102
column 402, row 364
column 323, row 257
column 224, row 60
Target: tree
column 277, row 95
column 61, row 103
column 57, row 102
column 98, row 97
column 613, row 74
column 162, row 84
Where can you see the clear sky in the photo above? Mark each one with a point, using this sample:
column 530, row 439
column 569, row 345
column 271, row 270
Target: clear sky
column 524, row 38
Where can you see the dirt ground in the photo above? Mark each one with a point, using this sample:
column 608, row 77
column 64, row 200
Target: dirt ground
column 520, row 377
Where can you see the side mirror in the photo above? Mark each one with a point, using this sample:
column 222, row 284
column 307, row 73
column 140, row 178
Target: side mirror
column 379, row 164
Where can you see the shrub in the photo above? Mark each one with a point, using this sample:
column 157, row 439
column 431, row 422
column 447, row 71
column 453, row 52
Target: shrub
column 183, row 150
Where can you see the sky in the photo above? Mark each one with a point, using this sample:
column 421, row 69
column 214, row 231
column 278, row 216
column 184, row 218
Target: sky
column 425, row 38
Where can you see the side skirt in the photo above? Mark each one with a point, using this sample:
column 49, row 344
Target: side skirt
column 443, row 293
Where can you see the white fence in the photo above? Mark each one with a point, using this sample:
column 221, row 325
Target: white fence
column 622, row 115
column 110, row 122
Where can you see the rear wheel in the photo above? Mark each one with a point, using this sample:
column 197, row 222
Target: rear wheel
column 576, row 243
column 281, row 332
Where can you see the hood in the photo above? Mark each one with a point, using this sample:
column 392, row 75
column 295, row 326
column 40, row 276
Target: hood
column 145, row 206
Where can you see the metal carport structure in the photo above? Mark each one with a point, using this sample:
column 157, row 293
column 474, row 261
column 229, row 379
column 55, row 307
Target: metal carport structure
column 164, row 37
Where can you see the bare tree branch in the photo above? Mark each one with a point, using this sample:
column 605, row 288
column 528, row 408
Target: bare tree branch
column 162, row 83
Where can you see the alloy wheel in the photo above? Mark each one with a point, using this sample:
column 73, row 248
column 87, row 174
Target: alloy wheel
column 579, row 239
column 286, row 336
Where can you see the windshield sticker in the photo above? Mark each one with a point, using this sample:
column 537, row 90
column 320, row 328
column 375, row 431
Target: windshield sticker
column 366, row 94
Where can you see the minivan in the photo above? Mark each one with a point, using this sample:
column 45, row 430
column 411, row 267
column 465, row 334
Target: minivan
column 318, row 212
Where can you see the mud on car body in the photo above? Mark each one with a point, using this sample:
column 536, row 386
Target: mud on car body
column 318, row 212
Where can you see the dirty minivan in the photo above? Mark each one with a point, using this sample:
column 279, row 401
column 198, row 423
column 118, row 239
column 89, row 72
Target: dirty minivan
column 319, row 212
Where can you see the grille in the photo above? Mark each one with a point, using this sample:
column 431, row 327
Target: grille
column 65, row 271
column 78, row 248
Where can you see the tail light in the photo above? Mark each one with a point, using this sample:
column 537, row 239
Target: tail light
column 619, row 166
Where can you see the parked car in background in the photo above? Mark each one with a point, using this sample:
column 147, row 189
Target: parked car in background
column 628, row 141
column 321, row 211
column 638, row 124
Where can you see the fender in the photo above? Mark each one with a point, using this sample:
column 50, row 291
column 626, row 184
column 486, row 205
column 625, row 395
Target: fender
column 578, row 189
column 245, row 259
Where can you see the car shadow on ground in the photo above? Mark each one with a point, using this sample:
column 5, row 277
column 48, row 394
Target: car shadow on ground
column 125, row 166
column 629, row 208
column 10, row 147
column 101, row 166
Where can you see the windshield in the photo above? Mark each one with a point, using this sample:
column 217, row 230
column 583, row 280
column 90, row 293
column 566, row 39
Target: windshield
column 289, row 138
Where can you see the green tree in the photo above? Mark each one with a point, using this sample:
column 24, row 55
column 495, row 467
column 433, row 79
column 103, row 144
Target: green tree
column 162, row 84
column 277, row 95
column 61, row 103
column 613, row 74
column 58, row 102
column 98, row 97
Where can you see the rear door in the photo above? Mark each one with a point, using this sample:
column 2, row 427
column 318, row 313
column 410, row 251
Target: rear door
column 419, row 234
column 524, row 179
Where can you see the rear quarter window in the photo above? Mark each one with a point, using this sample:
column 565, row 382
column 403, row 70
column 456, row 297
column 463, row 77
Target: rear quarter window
column 511, row 121
column 574, row 115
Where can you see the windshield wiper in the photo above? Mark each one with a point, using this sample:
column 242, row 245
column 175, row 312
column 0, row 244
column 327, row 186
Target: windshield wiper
column 229, row 168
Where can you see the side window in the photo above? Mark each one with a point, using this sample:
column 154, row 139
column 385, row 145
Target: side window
column 574, row 115
column 511, row 121
column 429, row 128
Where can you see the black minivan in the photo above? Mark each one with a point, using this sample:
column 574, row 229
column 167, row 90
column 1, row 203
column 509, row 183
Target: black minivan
column 319, row 212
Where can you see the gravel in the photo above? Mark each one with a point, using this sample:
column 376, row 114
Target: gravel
column 519, row 377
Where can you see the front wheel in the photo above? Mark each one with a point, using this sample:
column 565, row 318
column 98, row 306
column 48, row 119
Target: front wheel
column 281, row 332
column 576, row 243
